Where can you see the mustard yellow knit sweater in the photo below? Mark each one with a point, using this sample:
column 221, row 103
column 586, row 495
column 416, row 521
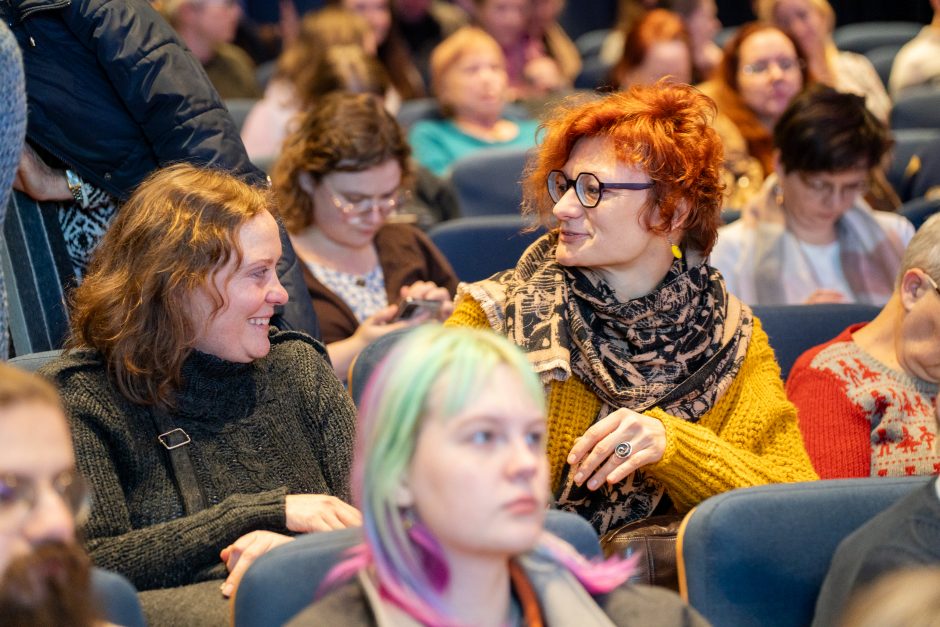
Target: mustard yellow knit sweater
column 750, row 437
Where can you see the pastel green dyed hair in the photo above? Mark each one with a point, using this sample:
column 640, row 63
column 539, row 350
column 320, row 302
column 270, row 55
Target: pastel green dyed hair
column 454, row 363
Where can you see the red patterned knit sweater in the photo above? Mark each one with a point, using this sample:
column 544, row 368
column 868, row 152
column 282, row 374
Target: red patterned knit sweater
column 860, row 418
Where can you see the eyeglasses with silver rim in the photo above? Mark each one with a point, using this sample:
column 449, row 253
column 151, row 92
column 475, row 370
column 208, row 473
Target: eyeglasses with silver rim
column 361, row 209
column 587, row 187
column 20, row 494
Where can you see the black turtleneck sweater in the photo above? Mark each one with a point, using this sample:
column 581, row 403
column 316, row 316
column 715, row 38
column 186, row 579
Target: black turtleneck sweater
column 279, row 425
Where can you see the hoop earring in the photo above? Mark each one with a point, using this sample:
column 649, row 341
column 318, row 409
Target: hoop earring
column 676, row 251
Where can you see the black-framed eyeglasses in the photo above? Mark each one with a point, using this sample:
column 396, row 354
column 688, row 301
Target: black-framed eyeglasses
column 19, row 494
column 587, row 187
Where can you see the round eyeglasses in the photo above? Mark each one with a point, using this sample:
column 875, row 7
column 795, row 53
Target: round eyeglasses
column 359, row 210
column 20, row 494
column 587, row 187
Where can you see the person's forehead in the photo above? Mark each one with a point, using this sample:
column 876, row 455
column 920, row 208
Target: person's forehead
column 35, row 439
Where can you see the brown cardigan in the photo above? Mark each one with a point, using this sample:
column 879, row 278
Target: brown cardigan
column 405, row 254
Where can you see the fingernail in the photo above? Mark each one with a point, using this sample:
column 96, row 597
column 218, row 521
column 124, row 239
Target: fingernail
column 578, row 478
column 227, row 589
column 571, row 458
column 592, row 483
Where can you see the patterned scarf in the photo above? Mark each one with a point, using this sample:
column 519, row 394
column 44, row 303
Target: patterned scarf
column 669, row 349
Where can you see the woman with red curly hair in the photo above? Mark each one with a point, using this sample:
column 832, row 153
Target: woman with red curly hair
column 662, row 387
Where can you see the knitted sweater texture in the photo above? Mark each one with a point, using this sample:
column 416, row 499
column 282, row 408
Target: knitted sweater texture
column 750, row 437
column 860, row 418
column 279, row 425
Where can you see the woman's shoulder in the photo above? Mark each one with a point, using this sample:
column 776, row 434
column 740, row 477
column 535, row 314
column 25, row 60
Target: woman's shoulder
column 345, row 605
column 896, row 224
column 295, row 344
column 71, row 363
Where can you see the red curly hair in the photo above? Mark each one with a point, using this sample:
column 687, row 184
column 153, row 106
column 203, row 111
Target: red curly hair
column 663, row 129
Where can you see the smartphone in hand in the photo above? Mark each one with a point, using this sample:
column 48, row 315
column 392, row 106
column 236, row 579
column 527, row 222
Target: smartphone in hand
column 412, row 307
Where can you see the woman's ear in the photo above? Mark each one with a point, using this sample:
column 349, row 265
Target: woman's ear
column 305, row 180
column 403, row 495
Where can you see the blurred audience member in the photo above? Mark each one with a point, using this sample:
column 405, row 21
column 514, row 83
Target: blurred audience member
column 287, row 93
column 207, row 27
column 701, row 23
column 393, row 51
column 759, row 75
column 866, row 398
column 45, row 578
column 547, row 32
column 423, row 24
column 531, row 70
column 452, row 478
column 908, row 597
column 809, row 236
column 810, row 23
column 468, row 75
column 12, row 133
column 149, row 110
column 340, row 179
column 918, row 62
column 905, row 535
column 657, row 47
column 207, row 435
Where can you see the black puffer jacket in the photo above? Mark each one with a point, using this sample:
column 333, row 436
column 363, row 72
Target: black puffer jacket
column 113, row 94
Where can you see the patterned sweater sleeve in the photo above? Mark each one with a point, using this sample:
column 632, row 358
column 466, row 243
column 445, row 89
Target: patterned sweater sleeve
column 750, row 437
column 835, row 431
column 163, row 554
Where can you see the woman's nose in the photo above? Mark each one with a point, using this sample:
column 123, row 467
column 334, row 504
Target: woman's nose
column 568, row 206
column 277, row 294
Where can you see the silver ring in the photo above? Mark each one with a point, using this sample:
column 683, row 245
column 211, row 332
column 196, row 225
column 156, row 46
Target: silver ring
column 623, row 450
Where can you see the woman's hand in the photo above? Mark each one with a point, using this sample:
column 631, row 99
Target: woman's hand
column 38, row 181
column 826, row 296
column 239, row 555
column 592, row 457
column 426, row 290
column 319, row 512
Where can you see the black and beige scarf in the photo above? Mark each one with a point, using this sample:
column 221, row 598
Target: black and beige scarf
column 677, row 348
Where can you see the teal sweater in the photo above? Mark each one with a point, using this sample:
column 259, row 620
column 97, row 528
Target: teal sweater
column 437, row 144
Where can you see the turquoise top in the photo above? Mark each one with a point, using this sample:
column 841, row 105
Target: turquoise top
column 437, row 144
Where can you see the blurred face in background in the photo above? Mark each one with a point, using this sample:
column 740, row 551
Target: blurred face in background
column 376, row 12
column 505, row 20
column 703, row 23
column 804, row 21
column 215, row 21
column 769, row 74
column 475, row 86
column 664, row 58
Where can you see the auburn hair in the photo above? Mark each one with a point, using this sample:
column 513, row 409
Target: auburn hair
column 665, row 130
column 175, row 232
column 728, row 93
column 656, row 26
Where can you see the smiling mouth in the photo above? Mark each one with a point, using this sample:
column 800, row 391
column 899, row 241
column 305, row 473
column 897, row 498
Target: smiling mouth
column 259, row 322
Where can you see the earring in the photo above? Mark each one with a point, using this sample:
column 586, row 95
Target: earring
column 676, row 251
column 778, row 194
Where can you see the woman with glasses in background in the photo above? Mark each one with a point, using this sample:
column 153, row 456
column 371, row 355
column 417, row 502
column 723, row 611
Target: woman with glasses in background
column 340, row 180
column 760, row 73
column 810, row 236
column 662, row 387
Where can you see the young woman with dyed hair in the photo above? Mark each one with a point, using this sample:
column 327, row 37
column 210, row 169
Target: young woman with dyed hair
column 452, row 478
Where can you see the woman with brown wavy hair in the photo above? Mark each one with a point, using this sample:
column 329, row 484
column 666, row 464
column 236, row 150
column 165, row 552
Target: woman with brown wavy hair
column 340, row 181
column 203, row 431
column 662, row 387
